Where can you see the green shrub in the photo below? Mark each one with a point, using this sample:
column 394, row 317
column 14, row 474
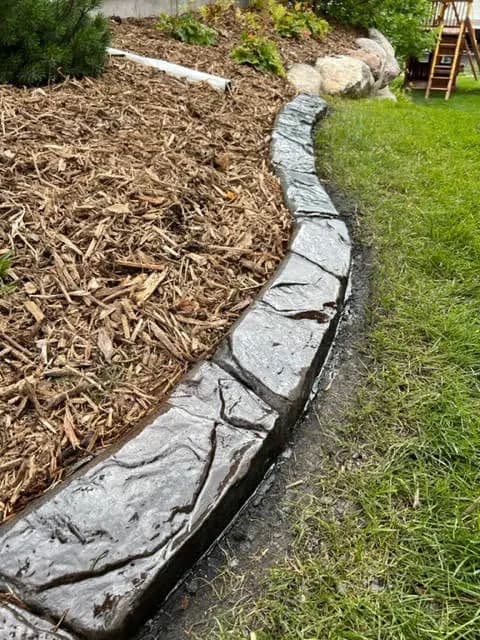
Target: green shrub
column 187, row 28
column 400, row 20
column 251, row 21
column 259, row 52
column 213, row 11
column 297, row 22
column 44, row 40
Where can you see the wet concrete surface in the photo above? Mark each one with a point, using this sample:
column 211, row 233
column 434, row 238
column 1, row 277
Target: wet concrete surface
column 261, row 534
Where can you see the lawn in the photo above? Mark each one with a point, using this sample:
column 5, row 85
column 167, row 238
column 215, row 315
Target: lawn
column 403, row 559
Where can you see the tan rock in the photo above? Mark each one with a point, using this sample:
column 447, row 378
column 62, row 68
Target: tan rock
column 305, row 78
column 345, row 76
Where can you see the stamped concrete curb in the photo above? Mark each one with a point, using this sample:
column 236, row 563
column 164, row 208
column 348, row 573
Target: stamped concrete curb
column 99, row 552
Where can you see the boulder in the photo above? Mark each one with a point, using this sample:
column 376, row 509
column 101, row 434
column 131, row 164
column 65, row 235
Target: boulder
column 345, row 76
column 305, row 78
column 392, row 68
column 375, row 62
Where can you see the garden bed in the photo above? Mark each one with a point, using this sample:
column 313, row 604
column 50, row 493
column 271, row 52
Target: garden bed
column 142, row 36
column 143, row 218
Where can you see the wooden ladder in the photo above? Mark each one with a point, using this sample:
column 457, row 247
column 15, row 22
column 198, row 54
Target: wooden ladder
column 446, row 61
column 456, row 38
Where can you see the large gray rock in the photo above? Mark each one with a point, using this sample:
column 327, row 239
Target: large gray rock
column 305, row 78
column 18, row 624
column 345, row 76
column 120, row 534
column 391, row 68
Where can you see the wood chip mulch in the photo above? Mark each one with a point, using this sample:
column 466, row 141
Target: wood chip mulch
column 143, row 218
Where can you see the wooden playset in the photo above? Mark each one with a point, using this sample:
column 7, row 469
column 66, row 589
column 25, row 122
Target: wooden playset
column 456, row 46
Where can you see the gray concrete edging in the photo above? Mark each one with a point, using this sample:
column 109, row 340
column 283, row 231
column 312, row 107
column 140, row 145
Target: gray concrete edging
column 95, row 555
column 171, row 69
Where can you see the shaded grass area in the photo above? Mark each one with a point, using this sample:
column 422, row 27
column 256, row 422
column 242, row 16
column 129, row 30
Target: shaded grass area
column 388, row 541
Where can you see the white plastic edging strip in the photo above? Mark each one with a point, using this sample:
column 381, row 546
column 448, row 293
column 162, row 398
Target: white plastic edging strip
column 192, row 75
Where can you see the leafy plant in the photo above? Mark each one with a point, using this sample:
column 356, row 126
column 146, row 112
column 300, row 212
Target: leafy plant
column 5, row 263
column 259, row 52
column 251, row 21
column 187, row 28
column 44, row 40
column 214, row 10
column 401, row 20
column 297, row 22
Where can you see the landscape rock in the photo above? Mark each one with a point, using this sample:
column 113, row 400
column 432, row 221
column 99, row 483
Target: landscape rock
column 345, row 76
column 305, row 78
column 391, row 69
column 372, row 61
column 97, row 551
column 372, row 54
column 18, row 624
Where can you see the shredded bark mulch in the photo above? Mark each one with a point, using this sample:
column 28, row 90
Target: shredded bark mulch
column 143, row 218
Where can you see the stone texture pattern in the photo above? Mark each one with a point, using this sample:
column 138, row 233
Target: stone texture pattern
column 303, row 191
column 97, row 553
column 345, row 76
column 324, row 242
column 18, row 624
column 305, row 78
column 277, row 346
column 95, row 550
column 391, row 68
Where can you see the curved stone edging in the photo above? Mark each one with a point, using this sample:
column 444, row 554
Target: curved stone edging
column 113, row 540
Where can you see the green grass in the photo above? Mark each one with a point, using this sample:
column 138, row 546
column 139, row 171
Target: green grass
column 5, row 265
column 402, row 560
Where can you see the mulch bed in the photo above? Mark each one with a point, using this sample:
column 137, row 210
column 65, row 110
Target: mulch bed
column 141, row 36
column 144, row 218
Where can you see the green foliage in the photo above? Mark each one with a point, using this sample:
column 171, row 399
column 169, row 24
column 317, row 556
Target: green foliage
column 187, row 28
column 259, row 52
column 251, row 21
column 400, row 20
column 213, row 11
column 45, row 40
column 297, row 22
column 5, row 263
